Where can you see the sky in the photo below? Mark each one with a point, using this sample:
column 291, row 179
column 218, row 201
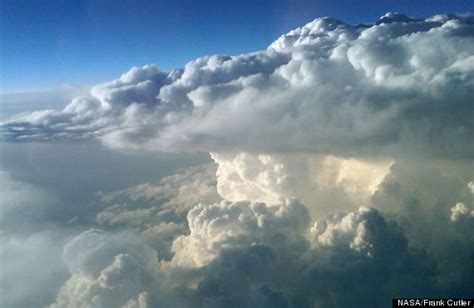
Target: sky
column 291, row 160
column 42, row 40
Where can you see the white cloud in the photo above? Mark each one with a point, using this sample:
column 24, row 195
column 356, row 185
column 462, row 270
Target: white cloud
column 364, row 231
column 328, row 87
column 460, row 211
column 108, row 270
column 323, row 183
column 236, row 224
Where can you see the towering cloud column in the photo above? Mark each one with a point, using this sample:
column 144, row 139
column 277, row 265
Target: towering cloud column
column 334, row 183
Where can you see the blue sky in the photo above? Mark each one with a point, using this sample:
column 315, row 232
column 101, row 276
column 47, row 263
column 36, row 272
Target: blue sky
column 49, row 44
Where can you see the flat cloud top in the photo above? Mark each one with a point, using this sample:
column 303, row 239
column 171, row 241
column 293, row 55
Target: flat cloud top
column 388, row 88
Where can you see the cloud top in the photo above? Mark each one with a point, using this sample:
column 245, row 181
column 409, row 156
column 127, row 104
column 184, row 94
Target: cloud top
column 326, row 87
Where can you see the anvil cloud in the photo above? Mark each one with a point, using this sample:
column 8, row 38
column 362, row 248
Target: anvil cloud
column 342, row 177
column 401, row 85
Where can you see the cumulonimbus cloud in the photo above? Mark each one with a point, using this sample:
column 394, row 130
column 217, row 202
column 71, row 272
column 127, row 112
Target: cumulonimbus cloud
column 330, row 106
column 326, row 87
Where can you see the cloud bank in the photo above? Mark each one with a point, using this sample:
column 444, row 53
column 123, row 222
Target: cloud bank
column 172, row 244
column 401, row 85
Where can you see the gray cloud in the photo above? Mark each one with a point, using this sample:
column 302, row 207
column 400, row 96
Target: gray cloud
column 242, row 254
column 48, row 196
column 215, row 254
column 107, row 270
column 158, row 211
column 32, row 269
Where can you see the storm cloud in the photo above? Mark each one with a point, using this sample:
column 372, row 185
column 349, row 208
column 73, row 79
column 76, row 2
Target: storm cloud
column 326, row 87
column 342, row 173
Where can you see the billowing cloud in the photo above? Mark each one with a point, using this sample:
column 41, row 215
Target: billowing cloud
column 326, row 87
column 268, row 178
column 235, row 224
column 170, row 199
column 158, row 211
column 244, row 254
column 248, row 253
column 108, row 270
column 341, row 157
column 460, row 211
column 420, row 196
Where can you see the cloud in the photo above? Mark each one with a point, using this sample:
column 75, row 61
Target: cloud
column 169, row 200
column 177, row 193
column 249, row 253
column 108, row 270
column 32, row 270
column 421, row 196
column 272, row 271
column 49, row 196
column 336, row 183
column 246, row 253
column 18, row 198
column 354, row 246
column 158, row 211
column 388, row 88
column 460, row 211
column 233, row 224
column 342, row 156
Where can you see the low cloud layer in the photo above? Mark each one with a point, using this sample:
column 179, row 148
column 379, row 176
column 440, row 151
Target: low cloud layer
column 247, row 253
column 401, row 85
column 244, row 254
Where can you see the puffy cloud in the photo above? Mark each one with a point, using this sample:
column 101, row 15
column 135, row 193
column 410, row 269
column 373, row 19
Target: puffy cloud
column 49, row 196
column 138, row 85
column 108, row 270
column 327, row 87
column 320, row 116
column 462, row 250
column 251, row 253
column 337, row 183
column 470, row 185
column 332, row 273
column 243, row 253
column 158, row 211
column 265, row 178
column 236, row 224
column 460, row 211
column 364, row 230
column 110, row 106
column 361, row 257
column 419, row 196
